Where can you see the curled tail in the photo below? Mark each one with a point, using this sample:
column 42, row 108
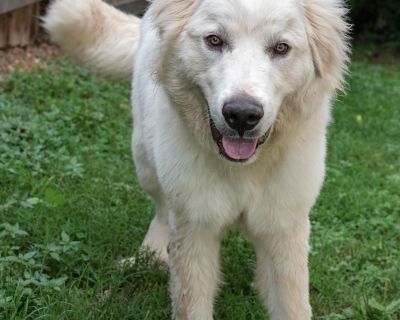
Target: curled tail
column 95, row 34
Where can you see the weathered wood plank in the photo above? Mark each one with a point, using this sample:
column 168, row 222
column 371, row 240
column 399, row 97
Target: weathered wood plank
column 4, row 25
column 10, row 5
column 19, row 27
column 19, row 31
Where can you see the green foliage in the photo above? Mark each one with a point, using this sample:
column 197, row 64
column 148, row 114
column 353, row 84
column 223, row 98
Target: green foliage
column 70, row 206
column 29, row 271
column 376, row 20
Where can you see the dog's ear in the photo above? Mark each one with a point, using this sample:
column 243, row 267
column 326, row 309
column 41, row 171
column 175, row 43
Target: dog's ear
column 328, row 37
column 170, row 16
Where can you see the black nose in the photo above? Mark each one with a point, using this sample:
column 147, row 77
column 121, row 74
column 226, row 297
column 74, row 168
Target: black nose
column 243, row 113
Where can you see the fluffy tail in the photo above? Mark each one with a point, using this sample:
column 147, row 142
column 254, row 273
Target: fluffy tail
column 95, row 34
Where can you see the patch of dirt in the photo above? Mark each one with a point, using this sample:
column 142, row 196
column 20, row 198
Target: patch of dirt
column 27, row 58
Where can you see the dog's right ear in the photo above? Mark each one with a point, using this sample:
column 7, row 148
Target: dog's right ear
column 328, row 37
column 170, row 16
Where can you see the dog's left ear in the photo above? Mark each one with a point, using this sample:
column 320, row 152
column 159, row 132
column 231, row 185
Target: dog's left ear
column 328, row 37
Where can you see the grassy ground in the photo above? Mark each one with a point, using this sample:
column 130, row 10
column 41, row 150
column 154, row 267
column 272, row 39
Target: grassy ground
column 70, row 206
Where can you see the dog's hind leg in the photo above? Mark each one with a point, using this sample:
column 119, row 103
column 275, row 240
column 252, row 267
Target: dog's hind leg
column 158, row 235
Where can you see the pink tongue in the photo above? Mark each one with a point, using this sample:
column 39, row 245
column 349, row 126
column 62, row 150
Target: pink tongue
column 239, row 148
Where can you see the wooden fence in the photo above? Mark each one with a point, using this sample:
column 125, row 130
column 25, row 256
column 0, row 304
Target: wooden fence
column 19, row 19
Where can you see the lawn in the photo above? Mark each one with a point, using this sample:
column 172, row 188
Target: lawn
column 71, row 207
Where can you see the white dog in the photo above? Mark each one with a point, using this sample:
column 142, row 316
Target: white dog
column 231, row 102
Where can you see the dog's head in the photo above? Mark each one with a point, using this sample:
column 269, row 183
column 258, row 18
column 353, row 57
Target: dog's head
column 229, row 65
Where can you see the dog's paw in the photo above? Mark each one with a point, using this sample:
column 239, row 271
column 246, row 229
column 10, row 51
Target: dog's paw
column 160, row 257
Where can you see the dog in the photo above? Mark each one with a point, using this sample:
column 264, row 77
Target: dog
column 231, row 103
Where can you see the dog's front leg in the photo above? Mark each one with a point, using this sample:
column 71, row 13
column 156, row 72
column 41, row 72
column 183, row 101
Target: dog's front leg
column 282, row 272
column 194, row 266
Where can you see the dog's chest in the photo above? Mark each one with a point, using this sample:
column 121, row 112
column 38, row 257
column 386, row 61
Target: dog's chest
column 217, row 199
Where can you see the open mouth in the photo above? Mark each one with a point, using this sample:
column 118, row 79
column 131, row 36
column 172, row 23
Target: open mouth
column 237, row 149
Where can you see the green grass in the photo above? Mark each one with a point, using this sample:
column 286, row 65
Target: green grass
column 70, row 206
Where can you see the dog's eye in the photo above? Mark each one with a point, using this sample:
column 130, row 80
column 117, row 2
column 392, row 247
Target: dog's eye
column 281, row 48
column 215, row 41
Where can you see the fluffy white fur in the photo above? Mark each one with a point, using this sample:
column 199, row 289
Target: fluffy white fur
column 96, row 34
column 177, row 78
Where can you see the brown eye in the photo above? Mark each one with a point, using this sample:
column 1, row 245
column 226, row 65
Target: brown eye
column 215, row 41
column 281, row 48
